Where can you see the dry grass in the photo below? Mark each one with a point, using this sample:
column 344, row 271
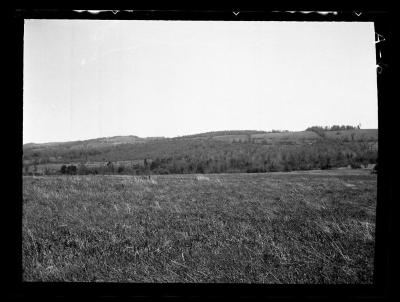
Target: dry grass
column 260, row 228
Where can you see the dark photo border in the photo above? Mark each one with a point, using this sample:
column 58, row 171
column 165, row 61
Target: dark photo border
column 382, row 285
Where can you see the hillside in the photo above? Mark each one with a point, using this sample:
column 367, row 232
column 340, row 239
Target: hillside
column 229, row 136
column 213, row 152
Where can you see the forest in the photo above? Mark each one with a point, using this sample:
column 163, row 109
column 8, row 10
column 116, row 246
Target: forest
column 198, row 155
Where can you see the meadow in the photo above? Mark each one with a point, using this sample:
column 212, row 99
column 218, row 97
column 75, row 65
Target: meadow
column 281, row 227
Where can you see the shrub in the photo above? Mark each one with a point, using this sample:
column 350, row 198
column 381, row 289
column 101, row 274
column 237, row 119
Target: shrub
column 287, row 167
column 63, row 169
column 355, row 165
column 326, row 166
column 199, row 169
column 71, row 169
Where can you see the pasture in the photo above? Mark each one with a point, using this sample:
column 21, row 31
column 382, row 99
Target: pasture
column 296, row 227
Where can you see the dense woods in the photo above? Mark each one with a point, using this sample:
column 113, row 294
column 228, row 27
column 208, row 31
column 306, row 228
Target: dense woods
column 197, row 155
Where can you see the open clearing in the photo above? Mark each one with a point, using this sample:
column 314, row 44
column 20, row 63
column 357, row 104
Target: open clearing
column 298, row 227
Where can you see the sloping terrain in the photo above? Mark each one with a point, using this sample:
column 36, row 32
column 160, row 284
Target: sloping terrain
column 213, row 152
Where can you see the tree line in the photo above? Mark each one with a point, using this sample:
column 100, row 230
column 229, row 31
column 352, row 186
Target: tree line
column 203, row 157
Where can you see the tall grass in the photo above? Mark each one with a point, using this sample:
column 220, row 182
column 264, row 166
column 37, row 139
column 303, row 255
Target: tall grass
column 260, row 228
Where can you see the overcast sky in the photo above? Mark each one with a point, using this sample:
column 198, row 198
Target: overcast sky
column 89, row 78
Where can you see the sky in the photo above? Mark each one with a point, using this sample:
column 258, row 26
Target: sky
column 85, row 79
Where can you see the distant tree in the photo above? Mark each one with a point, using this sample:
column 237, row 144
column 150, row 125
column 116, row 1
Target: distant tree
column 326, row 164
column 332, row 128
column 146, row 167
column 71, row 169
column 154, row 164
column 286, row 167
column 120, row 169
column 200, row 168
column 355, row 165
column 318, row 130
column 63, row 169
column 110, row 167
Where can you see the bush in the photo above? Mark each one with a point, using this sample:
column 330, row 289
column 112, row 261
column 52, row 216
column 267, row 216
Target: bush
column 252, row 170
column 199, row 169
column 287, row 167
column 63, row 169
column 71, row 169
column 326, row 167
column 355, row 165
column 163, row 171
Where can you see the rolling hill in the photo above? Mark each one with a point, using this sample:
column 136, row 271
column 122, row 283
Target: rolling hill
column 243, row 149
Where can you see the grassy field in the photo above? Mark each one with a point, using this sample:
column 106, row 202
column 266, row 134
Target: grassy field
column 298, row 227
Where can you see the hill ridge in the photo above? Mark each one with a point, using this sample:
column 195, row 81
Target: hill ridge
column 211, row 134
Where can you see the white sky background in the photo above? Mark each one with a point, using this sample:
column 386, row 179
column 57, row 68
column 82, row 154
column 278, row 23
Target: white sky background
column 94, row 78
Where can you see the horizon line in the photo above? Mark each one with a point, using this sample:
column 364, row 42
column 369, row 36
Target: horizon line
column 179, row 136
